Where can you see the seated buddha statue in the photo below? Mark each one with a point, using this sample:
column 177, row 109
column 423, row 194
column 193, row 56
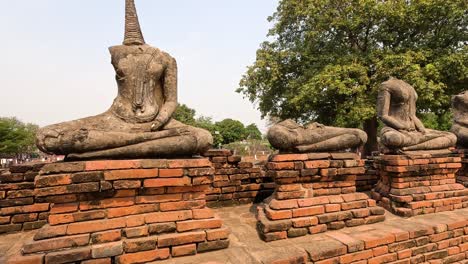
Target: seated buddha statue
column 288, row 136
column 460, row 118
column 403, row 131
column 139, row 123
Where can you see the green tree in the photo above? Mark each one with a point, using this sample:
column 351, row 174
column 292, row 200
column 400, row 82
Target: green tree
column 16, row 137
column 252, row 132
column 326, row 59
column 207, row 123
column 231, row 130
column 185, row 114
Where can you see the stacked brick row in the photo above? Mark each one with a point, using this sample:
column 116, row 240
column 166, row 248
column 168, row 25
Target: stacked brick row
column 399, row 244
column 423, row 184
column 315, row 192
column 462, row 174
column 133, row 211
column 367, row 181
column 19, row 208
column 236, row 182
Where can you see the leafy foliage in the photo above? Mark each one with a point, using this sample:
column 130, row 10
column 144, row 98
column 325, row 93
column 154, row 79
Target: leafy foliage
column 207, row 123
column 441, row 122
column 16, row 137
column 252, row 132
column 223, row 132
column 250, row 147
column 185, row 114
column 232, row 130
column 326, row 58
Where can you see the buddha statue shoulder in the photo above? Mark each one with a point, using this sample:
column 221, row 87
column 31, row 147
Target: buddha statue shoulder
column 288, row 136
column 139, row 123
column 403, row 131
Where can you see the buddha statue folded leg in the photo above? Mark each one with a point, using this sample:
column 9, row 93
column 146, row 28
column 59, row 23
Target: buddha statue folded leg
column 67, row 137
column 125, row 141
column 415, row 140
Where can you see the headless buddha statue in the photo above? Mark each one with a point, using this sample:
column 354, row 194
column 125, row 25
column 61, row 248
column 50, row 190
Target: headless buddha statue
column 403, row 131
column 288, row 136
column 460, row 120
column 139, row 123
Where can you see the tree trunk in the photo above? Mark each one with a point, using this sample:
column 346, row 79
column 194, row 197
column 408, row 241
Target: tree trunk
column 370, row 127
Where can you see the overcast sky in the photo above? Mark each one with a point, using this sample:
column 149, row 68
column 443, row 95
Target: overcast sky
column 55, row 65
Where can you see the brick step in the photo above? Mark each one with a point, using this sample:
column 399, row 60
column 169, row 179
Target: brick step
column 419, row 194
column 124, row 250
column 271, row 230
column 281, row 219
column 422, row 203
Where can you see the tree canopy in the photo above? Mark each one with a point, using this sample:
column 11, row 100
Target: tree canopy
column 325, row 59
column 223, row 132
column 252, row 132
column 185, row 114
column 16, row 137
column 232, row 130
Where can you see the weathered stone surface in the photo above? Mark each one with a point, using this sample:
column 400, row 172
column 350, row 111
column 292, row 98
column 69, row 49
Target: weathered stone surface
column 160, row 228
column 460, row 121
column 139, row 123
column 140, row 244
column 396, row 107
column 212, row 245
column 107, row 250
column 312, row 137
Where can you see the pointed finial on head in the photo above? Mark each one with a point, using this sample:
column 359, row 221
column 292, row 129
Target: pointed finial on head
column 133, row 35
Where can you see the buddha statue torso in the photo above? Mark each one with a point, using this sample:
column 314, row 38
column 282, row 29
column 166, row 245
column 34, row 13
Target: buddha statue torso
column 138, row 73
column 460, row 118
column 403, row 131
column 403, row 105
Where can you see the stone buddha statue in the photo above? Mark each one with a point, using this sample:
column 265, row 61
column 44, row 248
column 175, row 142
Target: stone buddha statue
column 460, row 120
column 403, row 131
column 139, row 123
column 288, row 136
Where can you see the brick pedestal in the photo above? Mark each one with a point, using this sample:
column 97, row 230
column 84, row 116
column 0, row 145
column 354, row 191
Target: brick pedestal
column 133, row 211
column 366, row 182
column 419, row 184
column 462, row 174
column 315, row 192
column 236, row 182
column 19, row 209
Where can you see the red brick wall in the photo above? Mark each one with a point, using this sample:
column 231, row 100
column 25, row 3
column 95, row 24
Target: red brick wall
column 237, row 182
column 365, row 182
column 234, row 182
column 19, row 208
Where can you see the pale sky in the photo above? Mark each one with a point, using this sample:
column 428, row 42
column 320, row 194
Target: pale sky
column 55, row 65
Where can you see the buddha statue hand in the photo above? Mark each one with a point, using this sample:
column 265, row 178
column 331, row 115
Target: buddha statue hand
column 184, row 131
column 422, row 130
column 157, row 125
